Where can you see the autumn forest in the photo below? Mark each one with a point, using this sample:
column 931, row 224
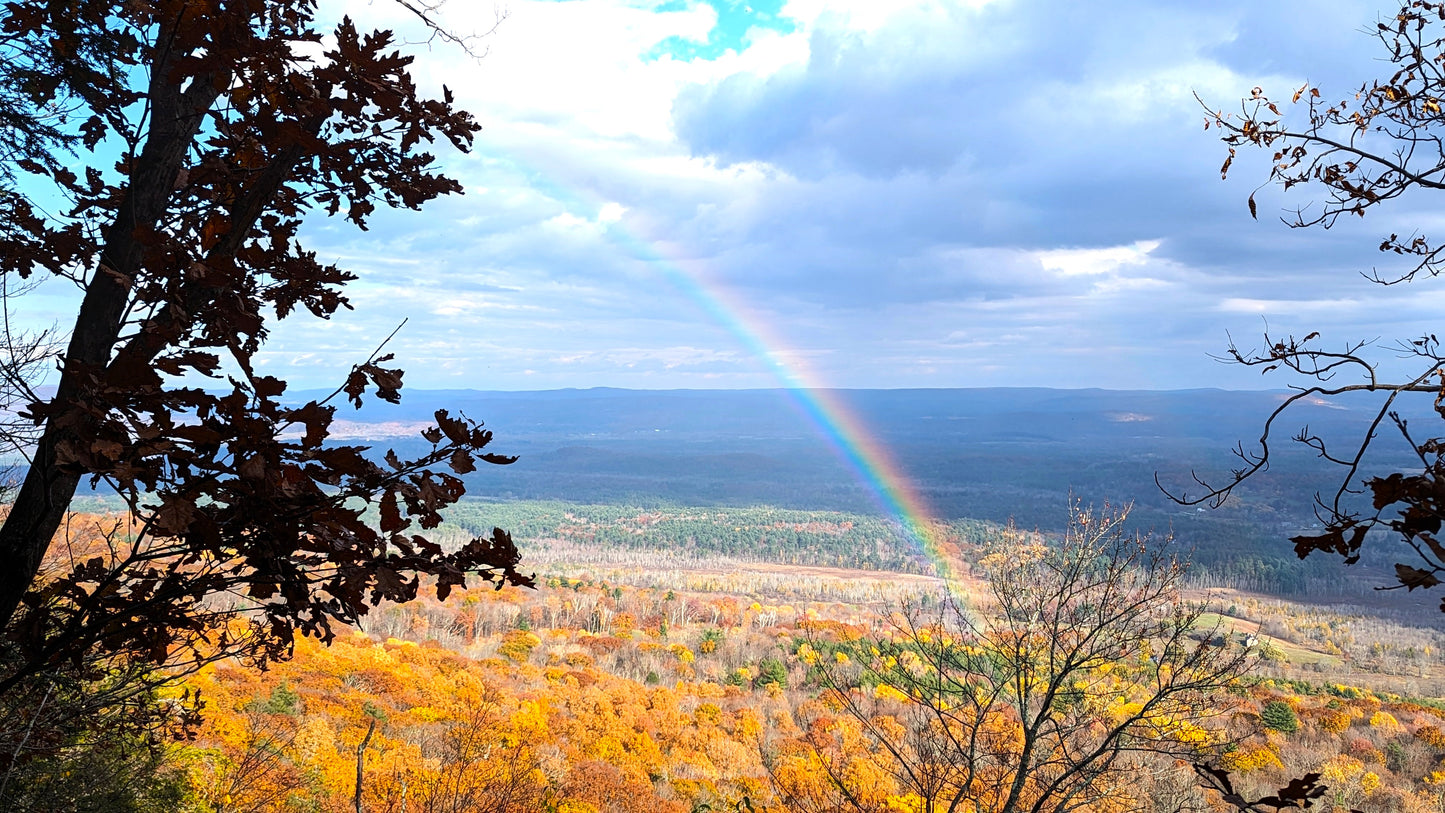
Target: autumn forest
column 238, row 577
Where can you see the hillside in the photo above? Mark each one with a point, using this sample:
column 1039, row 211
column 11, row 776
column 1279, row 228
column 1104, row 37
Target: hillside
column 987, row 454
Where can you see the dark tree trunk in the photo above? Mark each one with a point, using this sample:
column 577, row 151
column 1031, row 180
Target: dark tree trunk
column 49, row 486
column 360, row 763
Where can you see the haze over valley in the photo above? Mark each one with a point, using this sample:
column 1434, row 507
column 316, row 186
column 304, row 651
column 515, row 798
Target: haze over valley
column 998, row 455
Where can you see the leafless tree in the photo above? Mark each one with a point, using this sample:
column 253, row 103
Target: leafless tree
column 1372, row 146
column 25, row 358
column 1078, row 666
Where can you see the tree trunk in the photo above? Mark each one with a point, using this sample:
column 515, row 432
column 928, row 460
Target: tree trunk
column 360, row 753
column 49, row 486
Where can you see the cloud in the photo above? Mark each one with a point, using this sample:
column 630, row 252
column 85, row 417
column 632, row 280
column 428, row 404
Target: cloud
column 893, row 194
column 1070, row 262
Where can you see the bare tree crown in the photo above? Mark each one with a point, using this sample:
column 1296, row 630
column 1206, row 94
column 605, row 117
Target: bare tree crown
column 1356, row 151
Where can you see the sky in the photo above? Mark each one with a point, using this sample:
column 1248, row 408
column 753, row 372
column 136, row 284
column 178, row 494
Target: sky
column 855, row 193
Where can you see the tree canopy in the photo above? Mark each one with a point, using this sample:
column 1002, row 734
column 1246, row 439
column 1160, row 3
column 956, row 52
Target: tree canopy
column 186, row 141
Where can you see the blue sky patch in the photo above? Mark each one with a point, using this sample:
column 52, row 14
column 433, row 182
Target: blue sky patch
column 734, row 19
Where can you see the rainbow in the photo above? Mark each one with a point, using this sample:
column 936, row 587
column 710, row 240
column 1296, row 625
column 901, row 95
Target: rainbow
column 848, row 436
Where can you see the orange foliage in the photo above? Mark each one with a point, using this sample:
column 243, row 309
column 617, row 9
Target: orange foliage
column 1335, row 722
column 560, row 718
column 1431, row 736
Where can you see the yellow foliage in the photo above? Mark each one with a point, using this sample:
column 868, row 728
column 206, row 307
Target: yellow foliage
column 1341, row 770
column 750, row 725
column 517, row 645
column 705, row 689
column 708, row 713
column 833, row 700
column 1385, row 720
column 885, row 692
column 573, row 724
column 872, row 785
column 1245, row 760
column 1335, row 722
column 1183, row 732
column 1124, row 710
column 907, row 803
column 314, row 740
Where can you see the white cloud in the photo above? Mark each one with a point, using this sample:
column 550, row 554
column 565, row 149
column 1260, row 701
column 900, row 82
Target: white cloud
column 913, row 193
column 871, row 15
column 1070, row 262
column 1285, row 306
column 611, row 212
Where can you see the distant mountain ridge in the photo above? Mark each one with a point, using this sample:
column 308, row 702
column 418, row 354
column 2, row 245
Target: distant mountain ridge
column 773, row 412
column 1003, row 451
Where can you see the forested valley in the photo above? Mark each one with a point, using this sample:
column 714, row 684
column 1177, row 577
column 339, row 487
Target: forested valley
column 243, row 569
column 714, row 658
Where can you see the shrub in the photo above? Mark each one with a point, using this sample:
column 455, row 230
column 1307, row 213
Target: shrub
column 708, row 713
column 1395, row 756
column 772, row 671
column 1245, row 760
column 1279, row 716
column 1336, row 721
column 1365, row 751
column 1431, row 736
column 710, row 640
column 1384, row 720
column 1271, row 653
column 517, row 645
